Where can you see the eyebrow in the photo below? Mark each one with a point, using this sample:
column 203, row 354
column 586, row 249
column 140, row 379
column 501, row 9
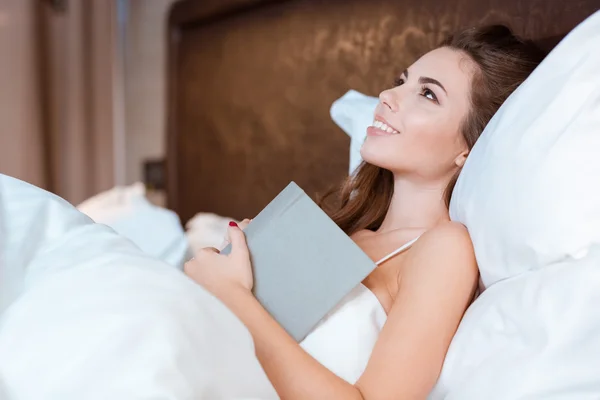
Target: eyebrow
column 424, row 80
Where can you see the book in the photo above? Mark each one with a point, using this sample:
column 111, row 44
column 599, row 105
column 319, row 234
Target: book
column 303, row 263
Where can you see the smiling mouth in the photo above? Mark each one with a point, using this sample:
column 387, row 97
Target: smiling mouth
column 384, row 127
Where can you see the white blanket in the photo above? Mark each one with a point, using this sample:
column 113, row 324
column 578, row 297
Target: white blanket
column 84, row 314
column 155, row 230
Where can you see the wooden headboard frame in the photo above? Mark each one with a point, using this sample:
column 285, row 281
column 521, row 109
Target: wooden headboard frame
column 251, row 83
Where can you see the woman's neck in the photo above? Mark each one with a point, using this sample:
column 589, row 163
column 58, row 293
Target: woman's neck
column 418, row 206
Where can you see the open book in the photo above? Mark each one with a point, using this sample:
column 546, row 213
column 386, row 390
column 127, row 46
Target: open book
column 303, row 263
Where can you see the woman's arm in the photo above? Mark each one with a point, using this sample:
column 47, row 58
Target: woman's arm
column 435, row 289
column 291, row 370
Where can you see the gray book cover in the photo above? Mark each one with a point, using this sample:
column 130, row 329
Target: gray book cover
column 303, row 263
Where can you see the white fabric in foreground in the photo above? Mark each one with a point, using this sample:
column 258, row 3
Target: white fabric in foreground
column 156, row 230
column 86, row 315
column 344, row 339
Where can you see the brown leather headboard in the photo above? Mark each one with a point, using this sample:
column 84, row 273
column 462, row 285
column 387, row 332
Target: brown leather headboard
column 251, row 83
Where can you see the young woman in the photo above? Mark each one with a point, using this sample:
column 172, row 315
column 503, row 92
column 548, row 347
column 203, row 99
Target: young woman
column 395, row 207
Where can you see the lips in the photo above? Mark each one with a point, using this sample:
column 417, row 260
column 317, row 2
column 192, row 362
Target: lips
column 381, row 127
column 385, row 127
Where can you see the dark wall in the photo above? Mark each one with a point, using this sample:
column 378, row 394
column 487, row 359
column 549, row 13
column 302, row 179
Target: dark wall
column 252, row 82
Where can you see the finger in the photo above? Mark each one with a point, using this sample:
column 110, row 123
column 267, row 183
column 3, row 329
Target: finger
column 202, row 255
column 244, row 223
column 238, row 241
column 188, row 267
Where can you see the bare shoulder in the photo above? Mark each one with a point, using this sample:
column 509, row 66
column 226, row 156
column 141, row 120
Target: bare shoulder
column 446, row 248
column 436, row 284
column 448, row 234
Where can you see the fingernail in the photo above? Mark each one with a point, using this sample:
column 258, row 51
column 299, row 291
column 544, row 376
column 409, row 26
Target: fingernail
column 232, row 223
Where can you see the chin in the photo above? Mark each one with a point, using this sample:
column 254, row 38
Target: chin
column 373, row 154
column 368, row 156
column 381, row 158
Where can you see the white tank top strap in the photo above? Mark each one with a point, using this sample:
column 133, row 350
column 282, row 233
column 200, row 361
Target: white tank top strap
column 399, row 250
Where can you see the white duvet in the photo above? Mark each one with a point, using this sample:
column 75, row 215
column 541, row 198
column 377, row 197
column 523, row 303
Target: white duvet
column 84, row 314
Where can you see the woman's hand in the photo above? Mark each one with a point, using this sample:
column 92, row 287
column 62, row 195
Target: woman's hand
column 226, row 239
column 221, row 274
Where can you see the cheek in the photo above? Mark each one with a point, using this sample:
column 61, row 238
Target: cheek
column 422, row 122
column 425, row 133
column 433, row 132
column 416, row 140
column 425, row 144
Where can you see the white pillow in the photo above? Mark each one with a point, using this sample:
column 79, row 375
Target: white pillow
column 353, row 112
column 529, row 192
column 85, row 314
column 530, row 196
column 534, row 336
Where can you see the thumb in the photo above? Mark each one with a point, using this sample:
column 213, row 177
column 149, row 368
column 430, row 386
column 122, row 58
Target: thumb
column 238, row 241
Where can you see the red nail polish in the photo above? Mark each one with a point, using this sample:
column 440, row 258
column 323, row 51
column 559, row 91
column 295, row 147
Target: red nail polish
column 233, row 224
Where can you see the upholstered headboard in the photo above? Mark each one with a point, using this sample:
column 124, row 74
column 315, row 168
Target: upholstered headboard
column 251, row 83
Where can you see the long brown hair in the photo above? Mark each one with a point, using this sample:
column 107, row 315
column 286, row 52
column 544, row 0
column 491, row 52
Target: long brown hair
column 504, row 61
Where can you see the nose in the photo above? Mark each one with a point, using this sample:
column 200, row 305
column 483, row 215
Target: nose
column 389, row 100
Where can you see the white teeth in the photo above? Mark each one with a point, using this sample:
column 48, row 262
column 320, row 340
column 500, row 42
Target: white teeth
column 384, row 127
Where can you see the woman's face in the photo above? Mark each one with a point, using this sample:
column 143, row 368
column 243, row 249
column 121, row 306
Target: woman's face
column 422, row 114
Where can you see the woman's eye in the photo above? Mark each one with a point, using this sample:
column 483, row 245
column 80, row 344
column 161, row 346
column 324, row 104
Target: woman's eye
column 398, row 82
column 428, row 94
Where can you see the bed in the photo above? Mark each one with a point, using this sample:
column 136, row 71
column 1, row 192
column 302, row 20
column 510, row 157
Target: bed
column 86, row 313
column 251, row 84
